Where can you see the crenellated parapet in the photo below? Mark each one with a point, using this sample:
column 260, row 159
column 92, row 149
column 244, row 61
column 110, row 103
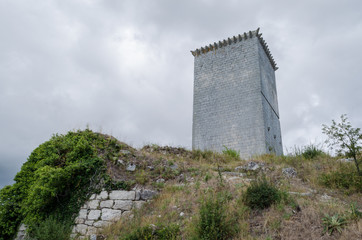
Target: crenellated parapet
column 235, row 39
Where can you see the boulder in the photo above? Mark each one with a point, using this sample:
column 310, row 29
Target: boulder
column 147, row 194
column 289, row 172
column 131, row 167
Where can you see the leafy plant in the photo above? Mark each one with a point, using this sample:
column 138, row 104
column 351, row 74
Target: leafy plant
column 312, row 151
column 355, row 214
column 309, row 152
column 213, row 223
column 261, row 194
column 231, row 153
column 50, row 229
column 10, row 211
column 333, row 223
column 347, row 139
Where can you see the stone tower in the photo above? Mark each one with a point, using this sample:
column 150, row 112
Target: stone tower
column 235, row 97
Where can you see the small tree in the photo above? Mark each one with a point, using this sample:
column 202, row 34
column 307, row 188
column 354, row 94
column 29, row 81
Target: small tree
column 346, row 138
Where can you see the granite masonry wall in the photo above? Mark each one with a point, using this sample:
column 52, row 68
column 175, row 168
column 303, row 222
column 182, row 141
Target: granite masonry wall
column 106, row 207
column 235, row 99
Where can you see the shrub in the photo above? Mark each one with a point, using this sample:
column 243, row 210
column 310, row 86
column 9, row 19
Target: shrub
column 50, row 229
column 312, row 151
column 55, row 180
column 212, row 222
column 231, row 153
column 10, row 208
column 160, row 232
column 342, row 179
column 334, row 223
column 261, row 194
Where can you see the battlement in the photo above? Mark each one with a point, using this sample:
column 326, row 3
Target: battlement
column 235, row 39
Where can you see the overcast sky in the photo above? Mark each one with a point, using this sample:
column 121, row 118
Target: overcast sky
column 125, row 68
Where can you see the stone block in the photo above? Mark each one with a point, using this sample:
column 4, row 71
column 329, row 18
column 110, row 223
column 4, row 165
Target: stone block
column 92, row 231
column 81, row 229
column 89, row 222
column 93, row 204
column 111, row 214
column 79, row 220
column 102, row 195
column 122, row 195
column 125, row 205
column 83, row 214
column 92, row 197
column 101, row 224
column 106, row 204
column 22, row 227
column 138, row 195
column 94, row 214
column 147, row 194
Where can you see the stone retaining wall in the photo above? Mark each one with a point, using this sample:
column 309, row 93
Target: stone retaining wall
column 106, row 207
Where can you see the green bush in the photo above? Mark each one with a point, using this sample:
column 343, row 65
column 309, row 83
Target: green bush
column 312, row 151
column 231, row 153
column 160, row 232
column 55, row 180
column 343, row 179
column 261, row 194
column 212, row 223
column 10, row 211
column 50, row 229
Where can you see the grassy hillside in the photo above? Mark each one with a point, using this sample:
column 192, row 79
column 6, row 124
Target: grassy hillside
column 202, row 195
column 208, row 197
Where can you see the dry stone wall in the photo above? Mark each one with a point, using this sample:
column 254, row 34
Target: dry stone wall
column 106, row 207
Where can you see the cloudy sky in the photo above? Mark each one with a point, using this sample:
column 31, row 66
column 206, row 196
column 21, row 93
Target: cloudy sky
column 124, row 67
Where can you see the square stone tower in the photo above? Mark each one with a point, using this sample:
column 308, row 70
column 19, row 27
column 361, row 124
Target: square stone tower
column 235, row 97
